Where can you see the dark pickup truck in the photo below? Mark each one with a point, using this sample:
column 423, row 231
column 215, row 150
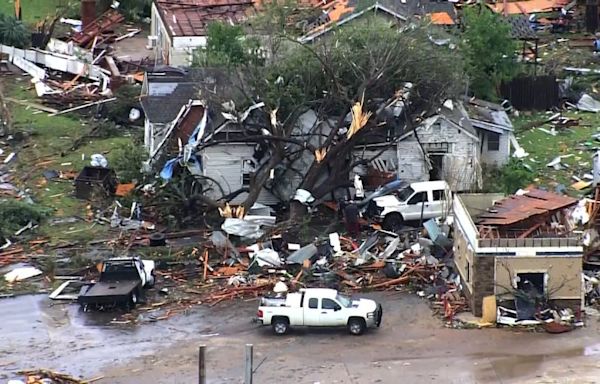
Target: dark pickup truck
column 121, row 283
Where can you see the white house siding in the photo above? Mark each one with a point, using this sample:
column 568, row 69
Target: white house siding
column 460, row 163
column 224, row 163
column 173, row 50
column 495, row 158
column 154, row 134
column 163, row 42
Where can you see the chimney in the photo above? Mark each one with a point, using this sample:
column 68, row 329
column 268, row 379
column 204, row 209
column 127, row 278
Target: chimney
column 88, row 12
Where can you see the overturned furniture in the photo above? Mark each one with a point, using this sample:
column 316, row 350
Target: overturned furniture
column 502, row 247
column 95, row 182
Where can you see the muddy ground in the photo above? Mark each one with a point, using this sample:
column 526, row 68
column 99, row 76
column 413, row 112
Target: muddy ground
column 411, row 347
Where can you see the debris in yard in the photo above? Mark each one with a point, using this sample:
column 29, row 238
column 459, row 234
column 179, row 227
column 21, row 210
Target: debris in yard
column 44, row 376
column 21, row 273
column 588, row 104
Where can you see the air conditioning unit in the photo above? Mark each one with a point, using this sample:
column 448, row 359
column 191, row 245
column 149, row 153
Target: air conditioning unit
column 152, row 41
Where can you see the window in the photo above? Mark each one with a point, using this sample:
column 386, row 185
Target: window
column 439, row 195
column 313, row 303
column 493, row 141
column 531, row 283
column 247, row 172
column 405, row 193
column 329, row 304
column 468, row 268
column 420, row 197
column 344, row 300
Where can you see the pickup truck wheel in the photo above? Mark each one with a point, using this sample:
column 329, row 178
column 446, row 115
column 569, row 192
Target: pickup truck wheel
column 133, row 299
column 393, row 222
column 280, row 326
column 356, row 326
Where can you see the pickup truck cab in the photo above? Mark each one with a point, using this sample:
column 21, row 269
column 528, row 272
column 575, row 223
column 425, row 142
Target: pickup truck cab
column 319, row 307
column 415, row 201
column 121, row 282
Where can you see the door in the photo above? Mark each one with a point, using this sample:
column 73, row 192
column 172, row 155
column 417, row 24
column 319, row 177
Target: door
column 416, row 203
column 331, row 314
column 312, row 312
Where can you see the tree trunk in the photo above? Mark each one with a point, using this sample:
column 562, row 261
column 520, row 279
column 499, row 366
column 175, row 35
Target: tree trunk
column 258, row 181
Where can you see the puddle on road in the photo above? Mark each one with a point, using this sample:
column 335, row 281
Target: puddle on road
column 521, row 365
column 37, row 332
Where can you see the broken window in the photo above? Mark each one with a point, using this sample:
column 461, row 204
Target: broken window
column 438, row 147
column 313, row 303
column 493, row 141
column 531, row 283
column 420, row 197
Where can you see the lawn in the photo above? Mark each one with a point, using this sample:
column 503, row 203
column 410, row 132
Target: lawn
column 542, row 147
column 48, row 145
column 33, row 11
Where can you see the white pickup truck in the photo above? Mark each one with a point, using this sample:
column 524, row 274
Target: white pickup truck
column 319, row 307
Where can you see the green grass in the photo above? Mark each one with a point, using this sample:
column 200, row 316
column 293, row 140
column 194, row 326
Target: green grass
column 543, row 148
column 32, row 11
column 49, row 140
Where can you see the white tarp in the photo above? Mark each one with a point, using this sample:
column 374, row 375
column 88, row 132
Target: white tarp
column 588, row 104
column 242, row 228
column 23, row 273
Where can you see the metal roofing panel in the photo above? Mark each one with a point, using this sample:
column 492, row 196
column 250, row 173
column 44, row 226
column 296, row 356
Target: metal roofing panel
column 514, row 209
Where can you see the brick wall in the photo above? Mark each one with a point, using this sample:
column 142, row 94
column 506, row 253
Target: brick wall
column 483, row 281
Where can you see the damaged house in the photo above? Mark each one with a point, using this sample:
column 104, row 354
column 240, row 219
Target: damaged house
column 519, row 249
column 337, row 13
column 454, row 144
column 179, row 26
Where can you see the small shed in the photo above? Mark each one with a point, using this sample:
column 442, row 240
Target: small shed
column 95, row 182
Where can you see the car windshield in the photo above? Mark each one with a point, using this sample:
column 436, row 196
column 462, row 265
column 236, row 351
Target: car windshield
column 345, row 301
column 405, row 193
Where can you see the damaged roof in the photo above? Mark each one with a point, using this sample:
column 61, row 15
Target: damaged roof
column 191, row 17
column 453, row 112
column 339, row 12
column 518, row 208
column 487, row 115
column 166, row 90
column 527, row 7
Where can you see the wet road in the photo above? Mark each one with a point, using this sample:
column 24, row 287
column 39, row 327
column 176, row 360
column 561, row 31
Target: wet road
column 411, row 347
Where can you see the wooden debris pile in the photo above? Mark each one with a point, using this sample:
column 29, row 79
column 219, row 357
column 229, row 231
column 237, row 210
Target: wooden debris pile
column 45, row 376
column 382, row 262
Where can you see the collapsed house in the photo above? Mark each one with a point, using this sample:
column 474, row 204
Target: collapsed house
column 520, row 243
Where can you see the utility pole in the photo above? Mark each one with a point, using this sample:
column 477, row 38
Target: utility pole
column 202, row 364
column 249, row 364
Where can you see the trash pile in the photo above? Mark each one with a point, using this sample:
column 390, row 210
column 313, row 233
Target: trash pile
column 220, row 271
column 44, row 376
column 81, row 69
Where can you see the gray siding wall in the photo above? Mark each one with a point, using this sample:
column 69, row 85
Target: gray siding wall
column 224, row 164
column 495, row 158
column 460, row 165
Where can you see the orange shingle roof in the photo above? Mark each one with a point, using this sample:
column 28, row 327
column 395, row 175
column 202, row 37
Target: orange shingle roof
column 441, row 18
column 527, row 7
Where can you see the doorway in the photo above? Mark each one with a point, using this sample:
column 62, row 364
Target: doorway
column 437, row 166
